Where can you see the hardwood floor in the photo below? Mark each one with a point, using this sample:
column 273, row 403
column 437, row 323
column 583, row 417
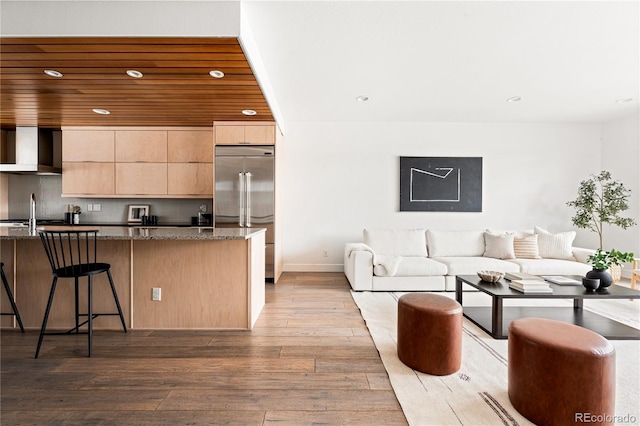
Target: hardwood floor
column 309, row 360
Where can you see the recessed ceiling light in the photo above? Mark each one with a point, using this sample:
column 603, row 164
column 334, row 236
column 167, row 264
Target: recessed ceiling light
column 362, row 98
column 623, row 100
column 134, row 73
column 101, row 111
column 249, row 112
column 514, row 99
column 216, row 74
column 53, row 73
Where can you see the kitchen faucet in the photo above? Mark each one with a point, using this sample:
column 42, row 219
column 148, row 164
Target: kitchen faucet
column 32, row 214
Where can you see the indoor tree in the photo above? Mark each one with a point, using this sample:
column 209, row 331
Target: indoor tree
column 600, row 201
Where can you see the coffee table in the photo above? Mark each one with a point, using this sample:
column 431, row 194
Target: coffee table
column 495, row 319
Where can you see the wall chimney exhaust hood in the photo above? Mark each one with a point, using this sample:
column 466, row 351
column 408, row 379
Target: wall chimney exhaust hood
column 31, row 150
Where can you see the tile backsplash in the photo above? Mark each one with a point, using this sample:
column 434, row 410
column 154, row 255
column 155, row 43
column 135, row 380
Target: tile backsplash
column 51, row 205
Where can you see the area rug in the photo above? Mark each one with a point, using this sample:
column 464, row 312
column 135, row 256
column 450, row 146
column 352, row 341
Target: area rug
column 477, row 393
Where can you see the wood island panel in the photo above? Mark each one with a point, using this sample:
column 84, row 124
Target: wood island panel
column 204, row 284
column 34, row 283
column 6, row 255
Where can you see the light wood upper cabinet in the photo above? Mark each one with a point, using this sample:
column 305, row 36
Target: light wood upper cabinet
column 88, row 178
column 143, row 162
column 141, row 146
column 141, row 178
column 190, row 179
column 190, row 146
column 263, row 135
column 88, row 145
column 238, row 133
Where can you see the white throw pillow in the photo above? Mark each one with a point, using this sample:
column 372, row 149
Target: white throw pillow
column 455, row 243
column 555, row 246
column 397, row 242
column 498, row 246
column 526, row 247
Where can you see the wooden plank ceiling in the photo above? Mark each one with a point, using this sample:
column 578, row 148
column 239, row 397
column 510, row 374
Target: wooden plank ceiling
column 176, row 89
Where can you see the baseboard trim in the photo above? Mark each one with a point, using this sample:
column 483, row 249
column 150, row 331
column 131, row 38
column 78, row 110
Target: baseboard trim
column 304, row 267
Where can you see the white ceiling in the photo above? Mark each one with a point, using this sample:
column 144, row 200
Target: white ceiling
column 449, row 61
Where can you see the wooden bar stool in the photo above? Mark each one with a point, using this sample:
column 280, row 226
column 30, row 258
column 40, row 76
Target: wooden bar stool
column 73, row 254
column 11, row 299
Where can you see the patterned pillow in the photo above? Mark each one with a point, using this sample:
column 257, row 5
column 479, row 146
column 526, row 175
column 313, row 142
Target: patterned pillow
column 526, row 247
column 555, row 246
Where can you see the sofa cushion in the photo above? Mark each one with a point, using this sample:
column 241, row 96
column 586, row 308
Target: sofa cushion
column 555, row 246
column 412, row 266
column 397, row 242
column 526, row 247
column 499, row 246
column 471, row 265
column 552, row 267
column 455, row 243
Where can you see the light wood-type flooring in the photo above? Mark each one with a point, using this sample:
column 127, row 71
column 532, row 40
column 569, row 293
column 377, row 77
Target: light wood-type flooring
column 309, row 360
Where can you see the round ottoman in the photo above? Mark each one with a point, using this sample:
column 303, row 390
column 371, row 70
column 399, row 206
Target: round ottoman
column 430, row 333
column 560, row 373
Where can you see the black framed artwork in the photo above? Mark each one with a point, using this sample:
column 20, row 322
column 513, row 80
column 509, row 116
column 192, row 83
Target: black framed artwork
column 441, row 184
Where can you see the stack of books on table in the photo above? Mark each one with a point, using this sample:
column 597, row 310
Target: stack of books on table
column 531, row 286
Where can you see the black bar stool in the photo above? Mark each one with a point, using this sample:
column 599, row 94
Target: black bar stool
column 73, row 254
column 11, row 299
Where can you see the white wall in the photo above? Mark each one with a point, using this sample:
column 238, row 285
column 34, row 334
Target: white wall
column 338, row 178
column 621, row 156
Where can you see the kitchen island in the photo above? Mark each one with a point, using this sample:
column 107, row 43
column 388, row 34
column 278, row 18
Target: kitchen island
column 210, row 278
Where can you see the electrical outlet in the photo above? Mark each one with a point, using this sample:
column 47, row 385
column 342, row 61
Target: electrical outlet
column 97, row 207
column 156, row 294
column 325, row 253
column 89, row 207
column 203, row 208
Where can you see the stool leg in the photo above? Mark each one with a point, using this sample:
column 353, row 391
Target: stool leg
column 46, row 314
column 115, row 297
column 11, row 300
column 77, row 305
column 90, row 312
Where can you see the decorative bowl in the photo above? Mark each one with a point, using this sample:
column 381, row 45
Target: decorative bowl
column 490, row 276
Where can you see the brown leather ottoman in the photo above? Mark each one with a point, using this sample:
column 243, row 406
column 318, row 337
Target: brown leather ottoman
column 560, row 373
column 430, row 333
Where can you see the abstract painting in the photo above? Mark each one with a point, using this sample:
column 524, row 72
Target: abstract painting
column 441, row 184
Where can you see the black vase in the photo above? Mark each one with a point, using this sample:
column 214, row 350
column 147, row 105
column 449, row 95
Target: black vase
column 605, row 277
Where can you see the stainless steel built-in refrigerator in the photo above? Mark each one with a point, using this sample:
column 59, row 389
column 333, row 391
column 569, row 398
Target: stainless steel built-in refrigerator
column 244, row 191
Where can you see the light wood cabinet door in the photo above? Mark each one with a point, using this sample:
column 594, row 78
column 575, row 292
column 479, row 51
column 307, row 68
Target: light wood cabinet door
column 88, row 178
column 260, row 135
column 88, row 145
column 141, row 178
column 190, row 179
column 147, row 146
column 251, row 135
column 190, row 146
column 229, row 135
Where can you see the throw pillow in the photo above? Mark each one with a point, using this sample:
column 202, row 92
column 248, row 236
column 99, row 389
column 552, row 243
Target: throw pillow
column 526, row 247
column 555, row 246
column 498, row 246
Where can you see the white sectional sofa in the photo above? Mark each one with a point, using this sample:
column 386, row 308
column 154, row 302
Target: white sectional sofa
column 429, row 260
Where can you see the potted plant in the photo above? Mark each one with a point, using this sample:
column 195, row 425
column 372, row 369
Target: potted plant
column 602, row 261
column 600, row 201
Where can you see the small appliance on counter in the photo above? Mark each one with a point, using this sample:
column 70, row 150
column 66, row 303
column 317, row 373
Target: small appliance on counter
column 72, row 216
